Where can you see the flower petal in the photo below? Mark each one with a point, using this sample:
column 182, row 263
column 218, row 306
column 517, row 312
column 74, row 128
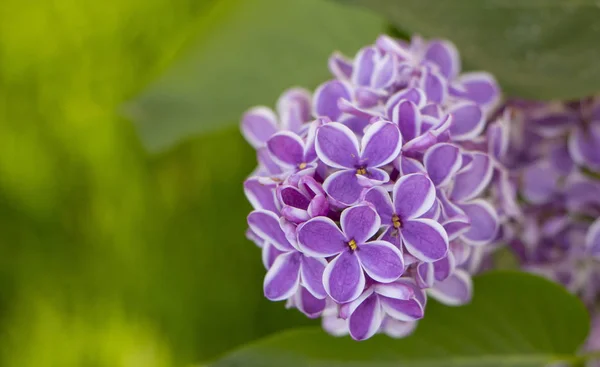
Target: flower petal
column 269, row 255
column 311, row 273
column 385, row 73
column 337, row 146
column 592, row 239
column 445, row 56
column 414, row 95
column 360, row 223
column 381, row 261
column 561, row 159
column 408, row 165
column 478, row 87
column 334, row 325
column 484, row 222
column 468, row 121
column 289, row 195
column 392, row 235
column 310, row 187
column 398, row 329
column 343, row 278
column 473, row 179
column 553, row 123
column 286, row 148
column 406, row 114
column 366, row 319
column 261, row 195
column 355, row 123
column 395, row 290
column 294, row 109
column 381, row 144
column 413, row 195
column 425, row 275
column 394, row 46
column 258, row 241
column 456, row 290
column 421, row 143
column 326, row 97
column 435, row 212
column 266, row 161
column 403, row 310
column 444, row 267
column 364, row 65
column 308, row 304
column 340, row 66
column 498, row 136
column 382, row 202
column 343, row 186
column 319, row 206
column 294, row 215
column 584, row 146
column 435, row 86
column 425, row 239
column 540, row 182
column 456, row 226
column 320, row 237
column 442, row 161
column 266, row 225
column 283, row 278
column 374, row 177
column 258, row 125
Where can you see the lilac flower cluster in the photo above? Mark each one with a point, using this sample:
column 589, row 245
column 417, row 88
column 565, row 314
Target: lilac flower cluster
column 372, row 193
column 554, row 162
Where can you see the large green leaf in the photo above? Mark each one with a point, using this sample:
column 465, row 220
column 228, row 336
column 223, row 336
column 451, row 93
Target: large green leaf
column 514, row 320
column 247, row 53
column 539, row 49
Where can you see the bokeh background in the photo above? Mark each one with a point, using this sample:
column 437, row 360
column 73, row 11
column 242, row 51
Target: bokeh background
column 110, row 255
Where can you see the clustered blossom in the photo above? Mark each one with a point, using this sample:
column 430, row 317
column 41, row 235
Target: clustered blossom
column 379, row 189
column 554, row 166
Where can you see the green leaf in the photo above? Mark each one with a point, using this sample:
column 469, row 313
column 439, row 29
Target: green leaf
column 537, row 49
column 515, row 319
column 247, row 53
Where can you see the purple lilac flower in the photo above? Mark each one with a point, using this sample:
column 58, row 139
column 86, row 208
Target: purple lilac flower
column 353, row 254
column 413, row 196
column 552, row 157
column 338, row 147
column 381, row 188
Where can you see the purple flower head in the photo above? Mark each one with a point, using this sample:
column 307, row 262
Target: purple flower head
column 302, row 201
column 421, row 124
column 402, row 215
column 290, row 152
column 546, row 158
column 401, row 301
column 389, row 182
column 353, row 251
column 291, row 268
column 435, row 66
column 359, row 165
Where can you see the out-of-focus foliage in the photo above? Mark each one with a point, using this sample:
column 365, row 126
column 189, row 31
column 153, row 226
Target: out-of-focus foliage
column 110, row 257
column 537, row 49
column 508, row 323
column 246, row 53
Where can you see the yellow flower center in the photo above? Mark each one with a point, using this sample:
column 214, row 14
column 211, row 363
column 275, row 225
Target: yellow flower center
column 352, row 244
column 396, row 221
column 361, row 171
column 302, row 165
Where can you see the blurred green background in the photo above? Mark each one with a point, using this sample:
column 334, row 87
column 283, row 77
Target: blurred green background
column 108, row 253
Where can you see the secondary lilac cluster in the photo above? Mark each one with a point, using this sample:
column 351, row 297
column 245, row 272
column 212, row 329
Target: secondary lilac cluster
column 372, row 193
column 554, row 161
